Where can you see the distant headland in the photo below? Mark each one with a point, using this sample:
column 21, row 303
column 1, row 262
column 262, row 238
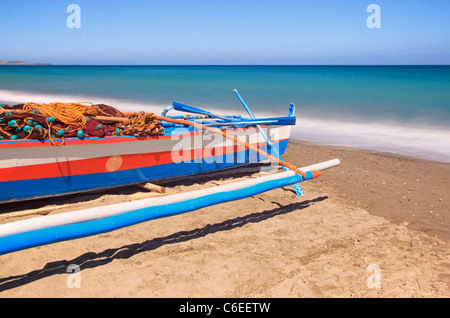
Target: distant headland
column 21, row 63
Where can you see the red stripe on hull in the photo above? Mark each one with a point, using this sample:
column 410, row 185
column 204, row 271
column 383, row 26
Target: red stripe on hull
column 112, row 163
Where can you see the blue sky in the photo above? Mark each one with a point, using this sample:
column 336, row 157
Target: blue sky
column 226, row 32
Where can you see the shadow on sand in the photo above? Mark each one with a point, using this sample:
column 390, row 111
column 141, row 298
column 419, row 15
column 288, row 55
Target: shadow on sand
column 92, row 260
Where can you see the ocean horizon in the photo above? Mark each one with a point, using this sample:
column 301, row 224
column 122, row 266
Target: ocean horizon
column 400, row 109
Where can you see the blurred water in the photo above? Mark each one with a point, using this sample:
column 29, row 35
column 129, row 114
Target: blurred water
column 404, row 109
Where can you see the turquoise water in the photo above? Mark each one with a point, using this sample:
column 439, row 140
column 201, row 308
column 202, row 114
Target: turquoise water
column 404, row 109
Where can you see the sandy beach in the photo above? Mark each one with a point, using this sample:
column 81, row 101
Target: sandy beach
column 376, row 226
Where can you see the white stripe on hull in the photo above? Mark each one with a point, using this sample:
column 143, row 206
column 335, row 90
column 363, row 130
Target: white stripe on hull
column 26, row 156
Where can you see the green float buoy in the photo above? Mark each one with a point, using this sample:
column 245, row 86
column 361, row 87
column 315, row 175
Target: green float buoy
column 27, row 128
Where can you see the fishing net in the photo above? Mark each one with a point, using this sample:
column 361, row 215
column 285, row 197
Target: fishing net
column 57, row 121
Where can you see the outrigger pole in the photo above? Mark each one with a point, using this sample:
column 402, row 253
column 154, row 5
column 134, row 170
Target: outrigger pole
column 296, row 186
column 235, row 139
column 220, row 132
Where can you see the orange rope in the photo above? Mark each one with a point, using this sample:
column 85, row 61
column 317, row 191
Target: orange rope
column 214, row 130
column 5, row 132
column 50, row 128
column 67, row 113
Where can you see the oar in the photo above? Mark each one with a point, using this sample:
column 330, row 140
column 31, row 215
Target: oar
column 190, row 109
column 296, row 186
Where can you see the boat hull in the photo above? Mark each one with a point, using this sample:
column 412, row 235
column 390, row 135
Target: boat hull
column 32, row 169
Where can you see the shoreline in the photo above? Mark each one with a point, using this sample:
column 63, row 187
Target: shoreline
column 368, row 149
column 422, row 140
column 369, row 211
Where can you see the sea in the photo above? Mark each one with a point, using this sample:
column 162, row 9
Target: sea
column 398, row 109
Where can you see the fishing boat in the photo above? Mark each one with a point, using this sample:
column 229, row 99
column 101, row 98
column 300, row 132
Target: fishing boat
column 169, row 147
column 31, row 168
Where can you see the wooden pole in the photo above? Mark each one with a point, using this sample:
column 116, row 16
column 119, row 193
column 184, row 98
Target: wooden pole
column 153, row 187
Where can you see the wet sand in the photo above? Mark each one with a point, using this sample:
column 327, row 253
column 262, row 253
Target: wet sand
column 376, row 226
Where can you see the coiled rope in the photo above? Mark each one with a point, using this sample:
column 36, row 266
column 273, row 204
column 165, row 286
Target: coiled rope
column 67, row 113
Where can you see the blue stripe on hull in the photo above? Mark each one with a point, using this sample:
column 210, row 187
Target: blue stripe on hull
column 39, row 188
